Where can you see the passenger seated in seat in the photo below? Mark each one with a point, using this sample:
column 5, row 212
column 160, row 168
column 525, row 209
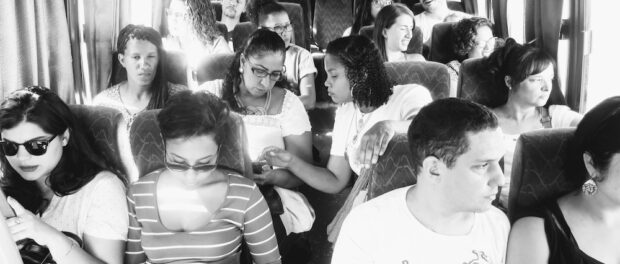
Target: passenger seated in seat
column 231, row 14
column 300, row 70
column 58, row 182
column 141, row 54
column 435, row 11
column 192, row 210
column 393, row 32
column 471, row 38
column 372, row 110
column 581, row 226
column 523, row 75
column 447, row 217
column 193, row 31
column 364, row 14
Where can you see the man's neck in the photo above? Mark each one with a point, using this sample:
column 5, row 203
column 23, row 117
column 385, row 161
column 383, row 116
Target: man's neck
column 230, row 22
column 430, row 210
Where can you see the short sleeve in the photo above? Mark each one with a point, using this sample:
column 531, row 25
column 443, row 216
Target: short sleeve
column 352, row 244
column 107, row 215
column 306, row 63
column 562, row 116
column 411, row 98
column 215, row 87
column 295, row 120
column 344, row 116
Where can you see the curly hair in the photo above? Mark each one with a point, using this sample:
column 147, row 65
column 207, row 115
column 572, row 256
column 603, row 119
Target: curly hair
column 159, row 87
column 385, row 19
column 202, row 18
column 464, row 35
column 262, row 41
column 370, row 84
column 79, row 162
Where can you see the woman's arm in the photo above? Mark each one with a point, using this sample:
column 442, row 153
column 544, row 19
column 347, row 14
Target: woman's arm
column 8, row 250
column 307, row 91
column 298, row 145
column 258, row 230
column 527, row 242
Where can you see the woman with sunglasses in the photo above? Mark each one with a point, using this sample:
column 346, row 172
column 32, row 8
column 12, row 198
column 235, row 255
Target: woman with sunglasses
column 58, row 182
column 192, row 210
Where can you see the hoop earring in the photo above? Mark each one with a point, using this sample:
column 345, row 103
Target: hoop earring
column 589, row 187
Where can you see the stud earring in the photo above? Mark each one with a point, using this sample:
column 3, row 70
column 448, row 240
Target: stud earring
column 240, row 70
column 589, row 187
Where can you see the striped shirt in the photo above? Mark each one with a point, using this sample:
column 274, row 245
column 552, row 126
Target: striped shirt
column 243, row 215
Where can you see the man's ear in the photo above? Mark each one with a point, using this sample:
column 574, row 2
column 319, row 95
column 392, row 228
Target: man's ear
column 432, row 167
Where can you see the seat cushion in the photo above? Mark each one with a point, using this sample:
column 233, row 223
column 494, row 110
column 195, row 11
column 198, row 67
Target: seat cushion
column 431, row 75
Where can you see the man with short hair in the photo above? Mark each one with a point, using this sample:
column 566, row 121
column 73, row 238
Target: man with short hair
column 447, row 217
column 231, row 13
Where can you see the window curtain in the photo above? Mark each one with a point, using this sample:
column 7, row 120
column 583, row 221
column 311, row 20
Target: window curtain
column 103, row 22
column 470, row 6
column 35, row 47
column 500, row 15
column 543, row 20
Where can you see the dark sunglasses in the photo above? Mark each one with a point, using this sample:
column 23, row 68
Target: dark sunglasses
column 36, row 147
column 179, row 167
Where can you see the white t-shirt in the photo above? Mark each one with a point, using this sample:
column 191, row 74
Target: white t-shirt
column 383, row 230
column 269, row 130
column 298, row 63
column 98, row 209
column 561, row 116
column 403, row 104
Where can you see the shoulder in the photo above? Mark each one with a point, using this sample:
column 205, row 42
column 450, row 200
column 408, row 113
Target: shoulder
column 528, row 242
column 104, row 183
column 214, row 87
column 563, row 116
column 290, row 100
column 407, row 91
column 498, row 218
column 110, row 93
column 414, row 57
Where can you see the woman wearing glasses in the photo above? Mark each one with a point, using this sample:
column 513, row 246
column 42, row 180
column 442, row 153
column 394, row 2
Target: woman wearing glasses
column 58, row 182
column 192, row 210
column 471, row 38
column 300, row 70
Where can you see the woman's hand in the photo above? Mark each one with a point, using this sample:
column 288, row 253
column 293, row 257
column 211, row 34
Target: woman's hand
column 277, row 157
column 374, row 142
column 27, row 225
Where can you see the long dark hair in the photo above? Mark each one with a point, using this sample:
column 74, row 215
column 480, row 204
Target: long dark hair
column 370, row 84
column 79, row 163
column 202, row 18
column 517, row 61
column 262, row 41
column 385, row 19
column 159, row 87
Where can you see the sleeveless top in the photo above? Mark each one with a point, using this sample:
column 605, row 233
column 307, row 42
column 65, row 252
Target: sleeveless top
column 563, row 247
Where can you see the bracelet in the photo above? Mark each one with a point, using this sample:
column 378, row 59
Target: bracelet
column 60, row 257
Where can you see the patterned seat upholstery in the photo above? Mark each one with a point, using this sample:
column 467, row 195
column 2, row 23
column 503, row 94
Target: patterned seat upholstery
column 214, row 67
column 415, row 45
column 393, row 169
column 148, row 149
column 441, row 43
column 101, row 126
column 331, row 18
column 431, row 75
column 539, row 170
column 242, row 31
column 478, row 85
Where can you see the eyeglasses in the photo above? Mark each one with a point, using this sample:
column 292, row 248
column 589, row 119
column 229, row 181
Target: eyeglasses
column 281, row 29
column 35, row 147
column 179, row 167
column 262, row 73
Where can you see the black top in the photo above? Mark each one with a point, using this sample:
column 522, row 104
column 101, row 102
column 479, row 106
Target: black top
column 563, row 247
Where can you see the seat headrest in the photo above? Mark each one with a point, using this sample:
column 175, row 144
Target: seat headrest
column 295, row 14
column 432, row 75
column 148, row 149
column 415, row 45
column 240, row 34
column 214, row 67
column 100, row 125
column 441, row 43
column 540, row 170
column 393, row 169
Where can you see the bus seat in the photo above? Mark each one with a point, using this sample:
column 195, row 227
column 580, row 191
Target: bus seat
column 323, row 115
column 441, row 43
column 102, row 126
column 214, row 67
column 415, row 45
column 148, row 149
column 240, row 34
column 176, row 69
column 307, row 18
column 393, row 169
column 478, row 85
column 432, row 75
column 331, row 18
column 222, row 29
column 539, row 170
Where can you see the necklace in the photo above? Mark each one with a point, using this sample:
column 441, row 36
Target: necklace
column 130, row 115
column 255, row 110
